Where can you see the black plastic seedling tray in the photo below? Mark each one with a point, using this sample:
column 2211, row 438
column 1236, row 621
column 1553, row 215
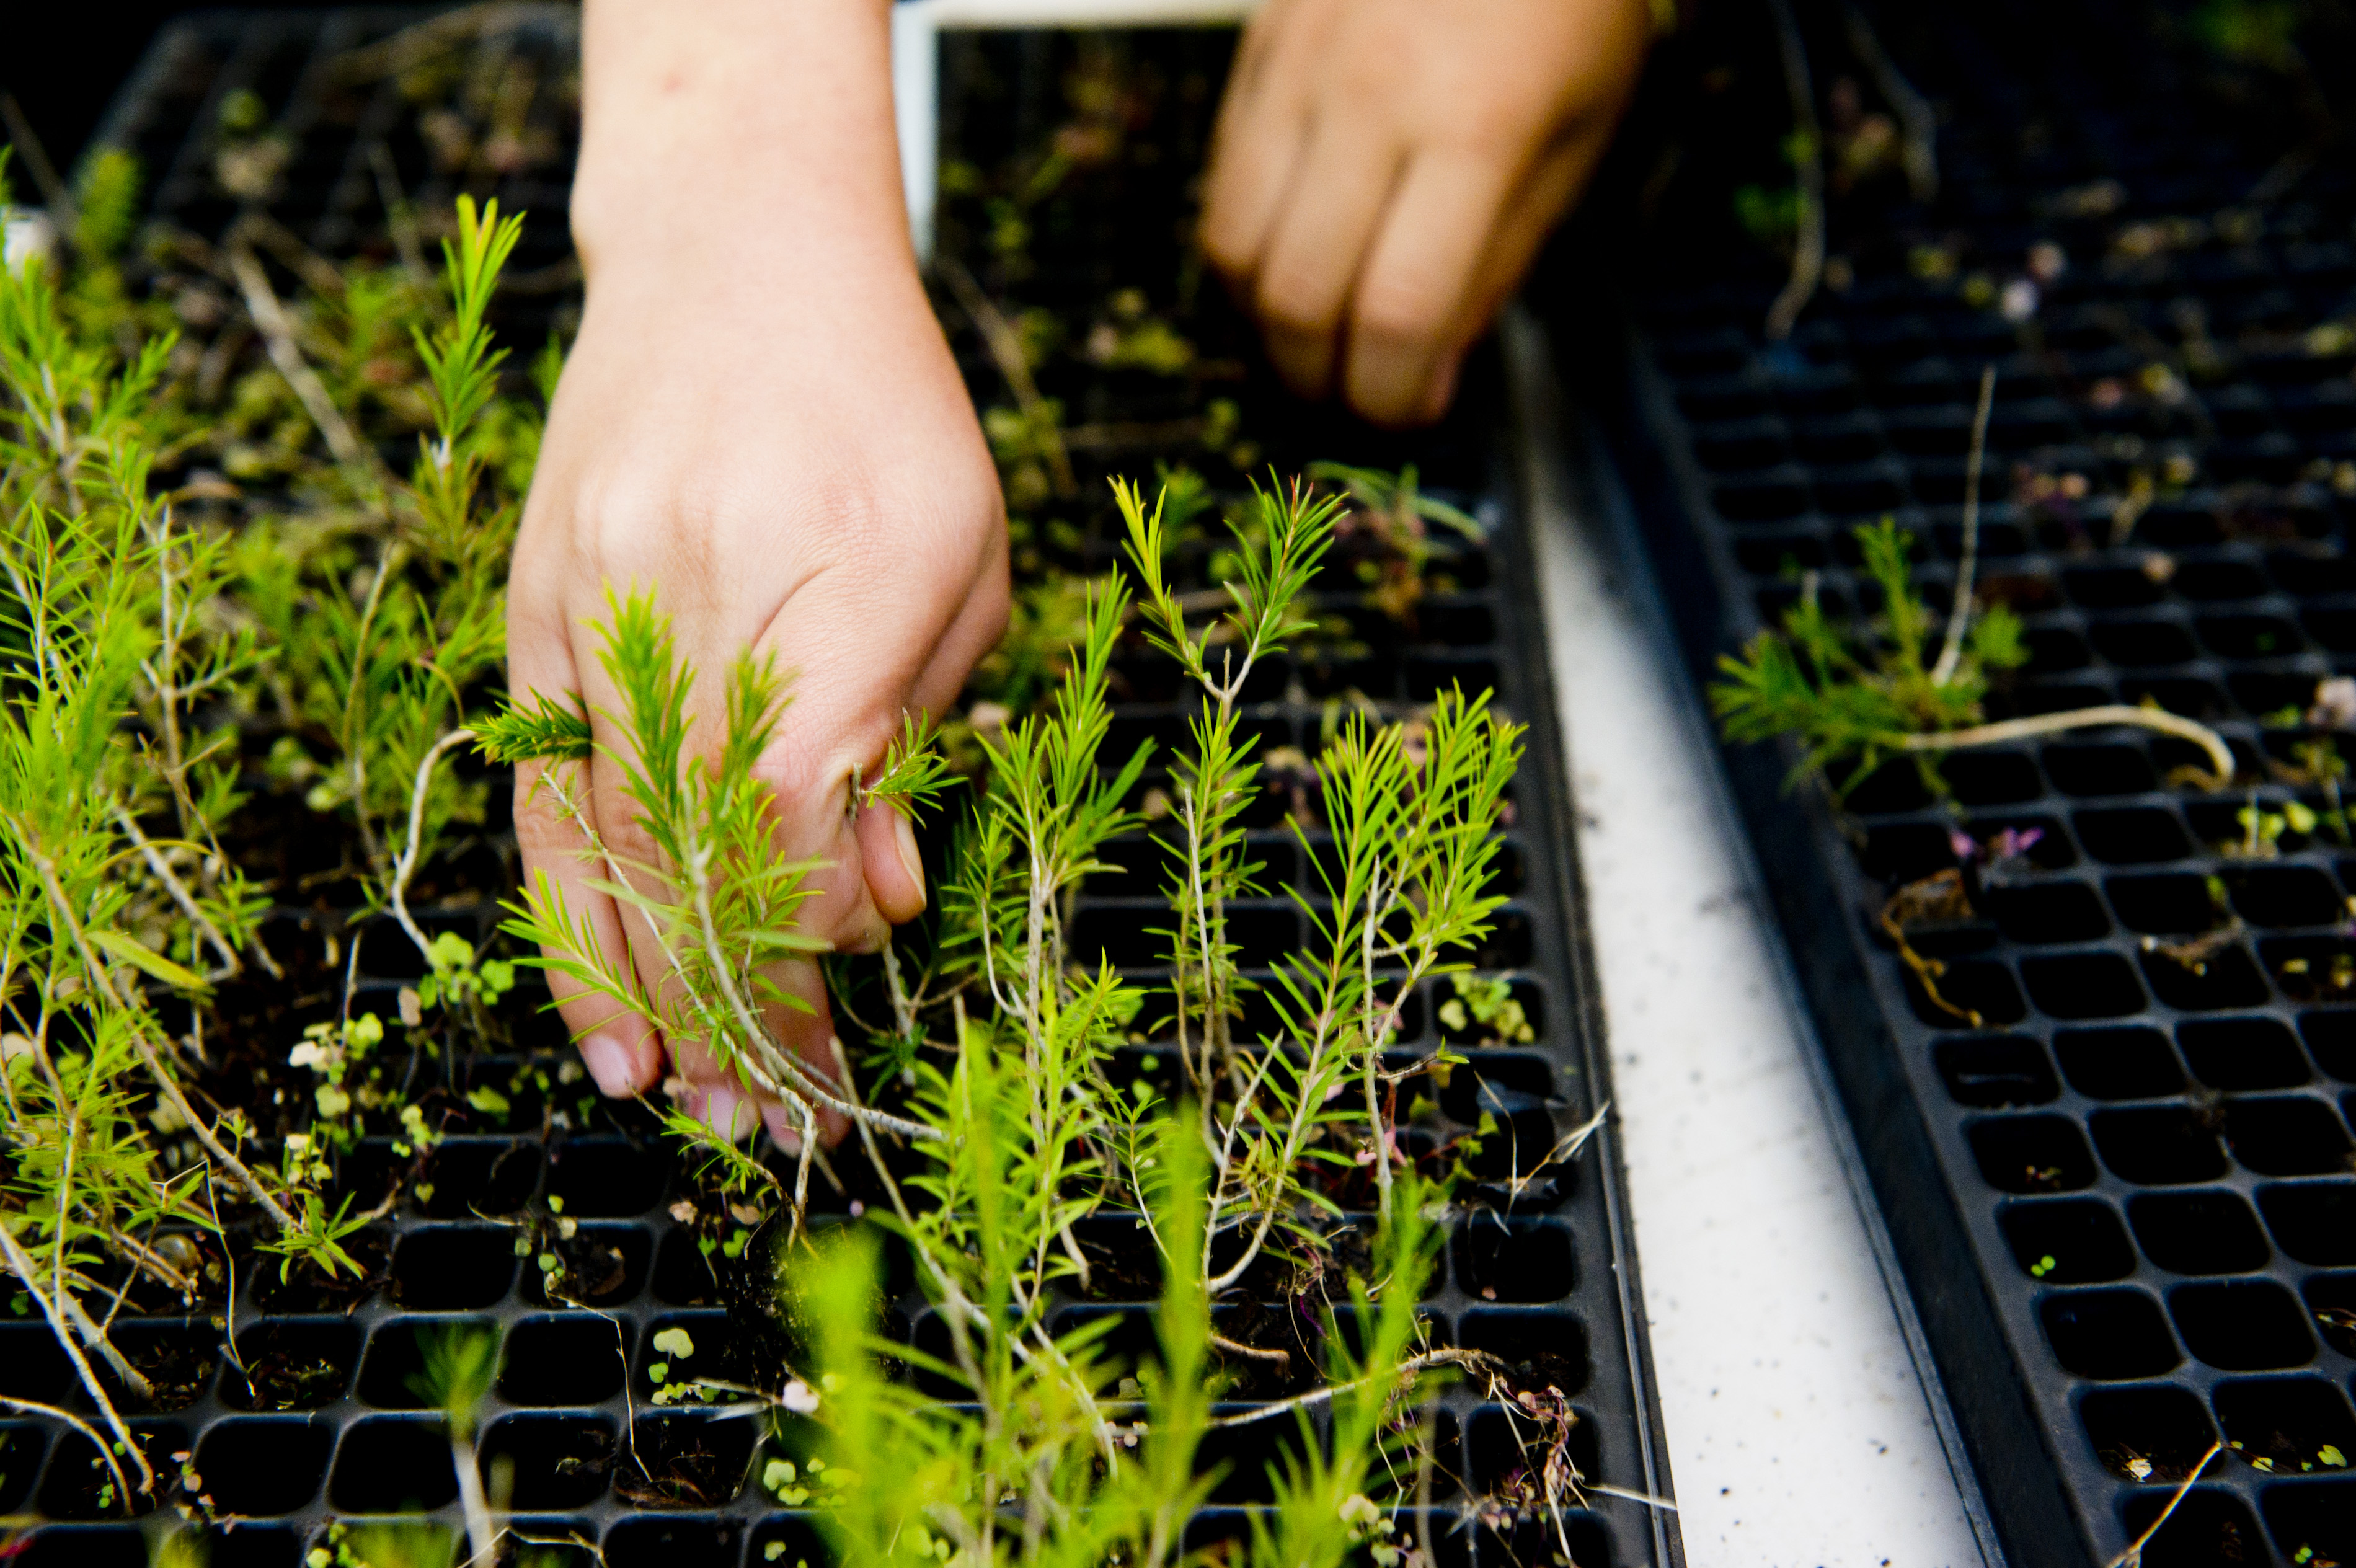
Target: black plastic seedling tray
column 1541, row 1269
column 2126, row 1206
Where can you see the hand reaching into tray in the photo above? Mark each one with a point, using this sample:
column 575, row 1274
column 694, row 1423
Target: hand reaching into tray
column 761, row 421
column 1386, row 170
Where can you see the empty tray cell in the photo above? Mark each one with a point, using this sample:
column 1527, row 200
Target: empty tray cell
column 291, row 1366
column 2083, row 985
column 2031, row 1153
column 2147, row 1433
column 2048, row 912
column 2242, row 1326
column 685, row 1462
column 606, row 1179
column 1988, row 1072
column 2212, row 1232
column 2142, row 643
column 2119, row 1064
column 477, row 1175
column 572, row 1359
column 1991, row 778
column 1259, row 1446
column 2313, row 1522
column 32, row 1367
column 237, row 1543
column 2183, row 696
column 96, row 1546
column 654, row 1541
column 684, row 1274
column 2249, row 636
column 548, row 1461
column 1905, row 852
column 2331, row 1040
column 2205, row 1528
column 395, row 1363
column 2291, row 1426
column 1122, row 1337
column 1761, row 500
column 2131, row 835
column 454, row 1267
column 1542, row 1350
column 2290, row 1136
column 21, row 1447
column 2096, row 771
column 2161, row 1146
column 1513, row 1260
column 2239, row 1054
column 2215, row 581
column 2203, row 975
column 1977, row 992
column 262, row 1464
column 391, row 1464
column 2165, row 905
column 2068, row 1241
column 2110, row 1335
column 1895, row 786
column 2314, row 1221
column 2286, row 896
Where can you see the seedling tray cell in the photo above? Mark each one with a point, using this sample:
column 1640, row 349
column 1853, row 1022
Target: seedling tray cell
column 563, row 1225
column 2123, row 1194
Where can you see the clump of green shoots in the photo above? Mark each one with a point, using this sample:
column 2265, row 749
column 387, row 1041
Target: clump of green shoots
column 139, row 633
column 1008, row 1117
column 1855, row 700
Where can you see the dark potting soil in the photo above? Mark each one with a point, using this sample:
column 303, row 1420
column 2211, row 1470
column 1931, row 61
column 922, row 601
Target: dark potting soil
column 564, row 1225
column 2125, row 1201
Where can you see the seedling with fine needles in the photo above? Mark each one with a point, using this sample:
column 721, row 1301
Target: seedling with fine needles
column 1007, row 1123
column 1853, row 702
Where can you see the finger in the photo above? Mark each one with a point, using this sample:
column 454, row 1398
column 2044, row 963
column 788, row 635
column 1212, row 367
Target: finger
column 1263, row 125
column 1418, row 281
column 627, row 856
column 620, row 1050
column 888, row 853
column 1529, row 217
column 803, row 1022
column 1331, row 213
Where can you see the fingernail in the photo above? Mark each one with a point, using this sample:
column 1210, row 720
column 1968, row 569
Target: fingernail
column 728, row 1113
column 608, row 1061
column 911, row 857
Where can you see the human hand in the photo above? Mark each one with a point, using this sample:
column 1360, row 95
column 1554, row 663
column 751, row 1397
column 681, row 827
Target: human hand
column 1386, row 169
column 760, row 421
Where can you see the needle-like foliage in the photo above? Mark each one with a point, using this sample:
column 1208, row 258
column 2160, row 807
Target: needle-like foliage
column 1011, row 1119
column 1851, row 702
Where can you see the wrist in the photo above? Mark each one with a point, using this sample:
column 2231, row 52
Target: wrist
column 735, row 128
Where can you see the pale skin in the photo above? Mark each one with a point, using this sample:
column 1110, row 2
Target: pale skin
column 760, row 419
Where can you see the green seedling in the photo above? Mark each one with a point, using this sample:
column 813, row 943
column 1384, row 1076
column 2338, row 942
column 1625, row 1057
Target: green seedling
column 1002, row 1047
